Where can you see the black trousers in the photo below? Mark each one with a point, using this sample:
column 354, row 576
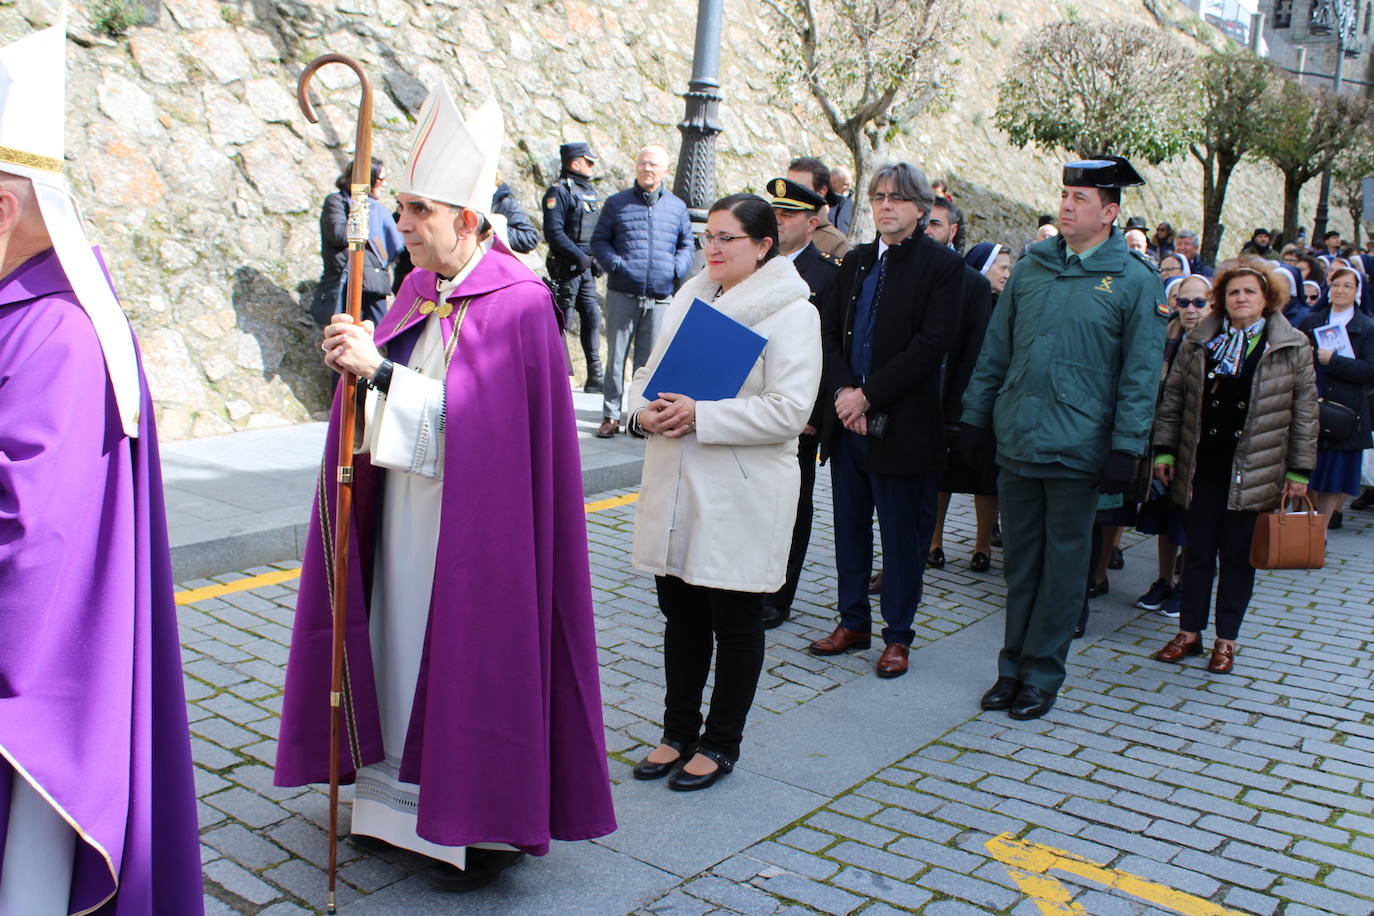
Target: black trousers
column 579, row 295
column 1216, row 533
column 700, row 619
column 906, row 505
column 801, row 530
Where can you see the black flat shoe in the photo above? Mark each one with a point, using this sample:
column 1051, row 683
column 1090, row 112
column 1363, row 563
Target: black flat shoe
column 483, row 866
column 936, row 559
column 1098, row 589
column 646, row 769
column 775, row 616
column 682, row 781
column 1030, row 703
column 1001, row 694
column 1118, row 560
column 981, row 562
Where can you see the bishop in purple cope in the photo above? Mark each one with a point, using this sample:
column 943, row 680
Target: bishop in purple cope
column 95, row 762
column 472, row 705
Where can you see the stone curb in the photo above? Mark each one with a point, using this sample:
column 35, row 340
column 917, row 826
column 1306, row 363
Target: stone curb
column 270, row 539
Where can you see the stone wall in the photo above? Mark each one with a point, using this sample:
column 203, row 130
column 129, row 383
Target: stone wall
column 203, row 181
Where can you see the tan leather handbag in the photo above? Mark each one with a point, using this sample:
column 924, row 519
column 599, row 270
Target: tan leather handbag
column 1289, row 540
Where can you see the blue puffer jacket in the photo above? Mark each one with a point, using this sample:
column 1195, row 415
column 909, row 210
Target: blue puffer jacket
column 644, row 242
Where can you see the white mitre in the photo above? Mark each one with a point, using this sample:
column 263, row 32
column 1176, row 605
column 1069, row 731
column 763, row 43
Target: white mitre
column 453, row 160
column 33, row 79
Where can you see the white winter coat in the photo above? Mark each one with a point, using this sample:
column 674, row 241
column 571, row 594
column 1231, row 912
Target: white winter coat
column 716, row 507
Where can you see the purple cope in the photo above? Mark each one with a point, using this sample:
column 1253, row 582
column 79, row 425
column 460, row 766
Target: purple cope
column 92, row 707
column 505, row 739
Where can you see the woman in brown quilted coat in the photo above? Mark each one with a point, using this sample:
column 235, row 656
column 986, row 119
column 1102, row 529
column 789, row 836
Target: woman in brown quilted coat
column 1236, row 431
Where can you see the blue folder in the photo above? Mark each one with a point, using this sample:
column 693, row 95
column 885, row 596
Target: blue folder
column 709, row 357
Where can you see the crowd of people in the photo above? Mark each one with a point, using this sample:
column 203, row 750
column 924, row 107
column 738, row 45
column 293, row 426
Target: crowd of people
column 923, row 393
column 1069, row 391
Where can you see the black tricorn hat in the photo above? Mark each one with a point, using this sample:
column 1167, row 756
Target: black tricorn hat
column 1101, row 172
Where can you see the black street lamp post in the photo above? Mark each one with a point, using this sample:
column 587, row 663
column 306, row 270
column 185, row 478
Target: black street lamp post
column 696, row 165
column 1340, row 10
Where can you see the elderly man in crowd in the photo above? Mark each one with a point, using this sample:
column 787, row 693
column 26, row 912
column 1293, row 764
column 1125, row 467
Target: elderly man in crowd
column 643, row 240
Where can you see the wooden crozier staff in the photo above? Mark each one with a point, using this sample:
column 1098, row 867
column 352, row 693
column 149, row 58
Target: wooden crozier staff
column 360, row 189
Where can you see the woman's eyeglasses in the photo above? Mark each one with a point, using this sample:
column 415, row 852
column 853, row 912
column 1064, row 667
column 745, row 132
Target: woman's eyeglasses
column 720, row 238
column 1191, row 304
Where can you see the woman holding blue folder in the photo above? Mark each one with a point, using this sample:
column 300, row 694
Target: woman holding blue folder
column 714, row 519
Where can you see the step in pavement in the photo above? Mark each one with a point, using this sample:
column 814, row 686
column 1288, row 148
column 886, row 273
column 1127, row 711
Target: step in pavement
column 244, row 499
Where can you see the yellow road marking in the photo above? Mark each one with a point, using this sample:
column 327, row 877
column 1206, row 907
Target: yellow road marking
column 192, row 595
column 206, row 592
column 1029, row 865
column 602, row 504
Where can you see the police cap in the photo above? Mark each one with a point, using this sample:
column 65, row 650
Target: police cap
column 788, row 195
column 570, row 151
column 1101, row 172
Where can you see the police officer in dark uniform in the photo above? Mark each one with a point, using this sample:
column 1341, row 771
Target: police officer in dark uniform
column 1066, row 379
column 797, row 208
column 571, row 208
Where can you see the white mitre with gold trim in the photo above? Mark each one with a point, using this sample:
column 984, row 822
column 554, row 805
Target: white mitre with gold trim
column 33, row 80
column 454, row 160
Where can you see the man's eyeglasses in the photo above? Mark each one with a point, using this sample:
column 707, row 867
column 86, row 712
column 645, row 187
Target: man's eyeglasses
column 1191, row 304
column 720, row 238
column 880, row 196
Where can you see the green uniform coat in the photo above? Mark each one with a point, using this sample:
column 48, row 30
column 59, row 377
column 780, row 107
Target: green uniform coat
column 1069, row 372
column 1069, row 369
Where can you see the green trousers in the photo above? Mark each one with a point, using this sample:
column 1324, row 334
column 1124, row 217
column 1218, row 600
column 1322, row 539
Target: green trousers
column 1046, row 538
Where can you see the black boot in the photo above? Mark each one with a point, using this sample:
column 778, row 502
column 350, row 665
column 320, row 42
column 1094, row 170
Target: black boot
column 483, row 865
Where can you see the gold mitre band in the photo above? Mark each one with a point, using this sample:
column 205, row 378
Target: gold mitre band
column 29, row 160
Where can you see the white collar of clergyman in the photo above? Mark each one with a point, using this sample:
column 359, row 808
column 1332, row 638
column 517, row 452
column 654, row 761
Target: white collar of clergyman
column 444, row 287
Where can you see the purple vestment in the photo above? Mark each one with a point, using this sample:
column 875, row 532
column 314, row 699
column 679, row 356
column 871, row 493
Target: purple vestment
column 505, row 737
column 91, row 701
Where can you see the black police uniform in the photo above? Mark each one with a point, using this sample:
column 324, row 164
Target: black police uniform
column 819, row 271
column 571, row 208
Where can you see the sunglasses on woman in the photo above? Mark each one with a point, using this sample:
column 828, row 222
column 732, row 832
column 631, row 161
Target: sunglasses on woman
column 1191, row 304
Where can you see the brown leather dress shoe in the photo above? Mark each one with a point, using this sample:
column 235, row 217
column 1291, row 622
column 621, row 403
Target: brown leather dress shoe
column 894, row 660
column 608, row 428
column 1223, row 658
column 1178, row 647
column 842, row 640
column 875, row 584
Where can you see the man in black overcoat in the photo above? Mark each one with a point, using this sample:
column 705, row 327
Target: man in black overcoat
column 887, row 324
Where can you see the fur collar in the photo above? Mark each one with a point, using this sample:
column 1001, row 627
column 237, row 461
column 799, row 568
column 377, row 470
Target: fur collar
column 770, row 289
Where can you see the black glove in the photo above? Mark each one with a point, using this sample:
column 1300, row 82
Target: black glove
column 1118, row 473
column 972, row 443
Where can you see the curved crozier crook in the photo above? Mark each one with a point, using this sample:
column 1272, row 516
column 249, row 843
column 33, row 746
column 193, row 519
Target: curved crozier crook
column 362, row 147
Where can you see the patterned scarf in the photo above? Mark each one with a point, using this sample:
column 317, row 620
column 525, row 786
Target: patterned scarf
column 1229, row 347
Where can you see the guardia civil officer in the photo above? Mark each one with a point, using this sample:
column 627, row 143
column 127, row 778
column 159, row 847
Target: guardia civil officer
column 798, row 211
column 571, row 208
column 1067, row 380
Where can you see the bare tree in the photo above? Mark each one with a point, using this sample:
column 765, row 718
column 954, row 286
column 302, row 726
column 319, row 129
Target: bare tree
column 1231, row 127
column 1093, row 88
column 1353, row 164
column 1307, row 130
column 871, row 65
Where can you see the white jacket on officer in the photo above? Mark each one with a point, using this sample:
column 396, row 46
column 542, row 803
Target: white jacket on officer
column 716, row 507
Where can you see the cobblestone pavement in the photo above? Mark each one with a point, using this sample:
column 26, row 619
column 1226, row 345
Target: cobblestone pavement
column 1148, row 789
